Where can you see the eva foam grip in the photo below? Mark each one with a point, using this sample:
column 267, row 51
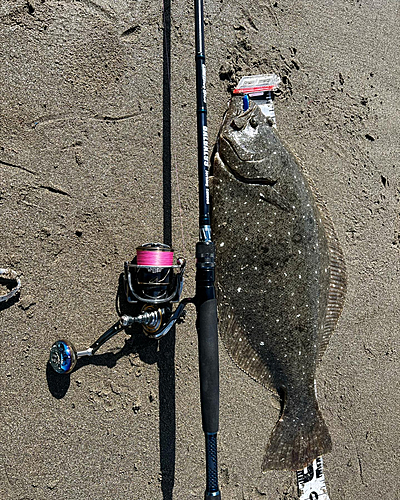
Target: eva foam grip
column 208, row 364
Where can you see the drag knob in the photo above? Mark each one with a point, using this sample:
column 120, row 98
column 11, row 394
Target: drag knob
column 63, row 356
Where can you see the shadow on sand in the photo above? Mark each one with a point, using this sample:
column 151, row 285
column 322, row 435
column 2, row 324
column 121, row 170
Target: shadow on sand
column 149, row 351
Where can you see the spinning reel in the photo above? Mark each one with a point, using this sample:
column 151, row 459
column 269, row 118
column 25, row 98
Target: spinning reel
column 152, row 283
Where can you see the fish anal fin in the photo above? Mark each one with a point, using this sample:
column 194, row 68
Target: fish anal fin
column 240, row 349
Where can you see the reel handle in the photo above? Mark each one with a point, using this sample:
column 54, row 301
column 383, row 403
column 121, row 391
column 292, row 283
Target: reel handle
column 64, row 356
column 156, row 323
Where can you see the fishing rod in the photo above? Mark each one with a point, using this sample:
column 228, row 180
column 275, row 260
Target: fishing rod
column 205, row 299
column 153, row 285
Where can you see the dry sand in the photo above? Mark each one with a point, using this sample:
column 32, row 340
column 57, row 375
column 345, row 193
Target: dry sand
column 86, row 176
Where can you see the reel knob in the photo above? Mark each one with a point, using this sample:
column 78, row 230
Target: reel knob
column 63, row 357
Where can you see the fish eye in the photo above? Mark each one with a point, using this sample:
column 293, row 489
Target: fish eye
column 238, row 123
column 253, row 122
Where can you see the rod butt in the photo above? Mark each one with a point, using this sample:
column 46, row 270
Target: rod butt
column 212, row 490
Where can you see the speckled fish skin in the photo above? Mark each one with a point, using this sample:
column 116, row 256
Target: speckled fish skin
column 280, row 276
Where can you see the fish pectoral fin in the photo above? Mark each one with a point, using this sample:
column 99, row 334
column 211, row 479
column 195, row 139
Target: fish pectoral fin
column 273, row 197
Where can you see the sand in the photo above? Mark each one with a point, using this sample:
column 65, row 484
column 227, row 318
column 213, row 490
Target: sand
column 98, row 155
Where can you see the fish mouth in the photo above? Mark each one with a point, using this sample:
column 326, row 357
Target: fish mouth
column 229, row 144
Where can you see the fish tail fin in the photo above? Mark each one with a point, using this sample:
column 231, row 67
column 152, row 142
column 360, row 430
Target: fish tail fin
column 295, row 442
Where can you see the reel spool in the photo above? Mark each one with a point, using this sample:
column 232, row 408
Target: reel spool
column 151, row 277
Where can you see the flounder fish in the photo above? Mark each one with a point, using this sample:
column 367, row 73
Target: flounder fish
column 280, row 276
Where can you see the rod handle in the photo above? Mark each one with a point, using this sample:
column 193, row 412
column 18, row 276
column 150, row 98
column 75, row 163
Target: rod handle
column 208, row 364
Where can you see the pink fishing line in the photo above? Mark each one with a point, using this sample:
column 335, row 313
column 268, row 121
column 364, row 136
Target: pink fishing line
column 155, row 258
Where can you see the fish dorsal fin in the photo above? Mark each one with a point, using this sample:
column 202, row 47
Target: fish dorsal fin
column 337, row 270
column 337, row 282
column 240, row 349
